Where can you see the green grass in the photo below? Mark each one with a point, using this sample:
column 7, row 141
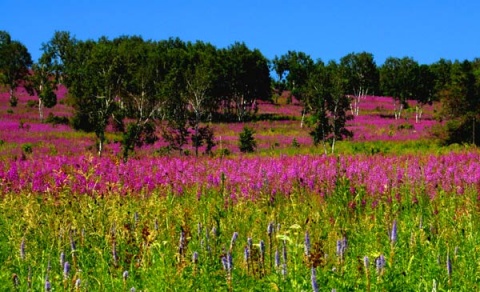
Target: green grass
column 148, row 247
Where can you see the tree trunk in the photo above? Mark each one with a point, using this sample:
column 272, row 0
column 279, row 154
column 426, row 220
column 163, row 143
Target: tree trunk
column 40, row 109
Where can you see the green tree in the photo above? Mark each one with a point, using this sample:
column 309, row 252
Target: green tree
column 15, row 62
column 328, row 104
column 399, row 79
column 246, row 142
column 362, row 77
column 43, row 82
column 245, row 78
column 461, row 104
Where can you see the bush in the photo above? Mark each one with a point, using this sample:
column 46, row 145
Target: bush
column 27, row 148
column 247, row 142
column 56, row 120
column 31, row 103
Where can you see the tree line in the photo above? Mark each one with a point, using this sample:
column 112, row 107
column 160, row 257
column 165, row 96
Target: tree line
column 137, row 85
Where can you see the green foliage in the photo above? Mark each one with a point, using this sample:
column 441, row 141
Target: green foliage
column 246, row 142
column 27, row 148
column 56, row 120
column 104, row 236
column 138, row 135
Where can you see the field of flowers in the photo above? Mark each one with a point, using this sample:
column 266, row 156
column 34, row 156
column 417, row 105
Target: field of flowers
column 284, row 219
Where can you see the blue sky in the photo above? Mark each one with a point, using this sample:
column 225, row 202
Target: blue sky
column 327, row 30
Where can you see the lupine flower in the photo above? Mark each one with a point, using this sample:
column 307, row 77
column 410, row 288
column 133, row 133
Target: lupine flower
column 262, row 249
column 380, row 263
column 62, row 259
column 234, row 239
column 284, row 269
column 114, row 252
column 277, row 258
column 307, row 244
column 314, row 280
column 225, row 263
column 22, row 249
column 181, row 243
column 72, row 244
column 199, row 229
column 66, row 269
column 393, row 234
column 284, row 251
column 341, row 247
column 48, row 286
column 249, row 243
column 229, row 262
column 366, row 262
column 132, row 289
column 270, row 229
column 195, row 257
column 246, row 254
column 125, row 275
column 449, row 266
column 77, row 283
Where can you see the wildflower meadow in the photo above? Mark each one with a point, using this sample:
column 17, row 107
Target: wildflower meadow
column 390, row 211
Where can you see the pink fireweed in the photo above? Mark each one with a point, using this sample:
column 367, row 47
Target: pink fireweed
column 244, row 177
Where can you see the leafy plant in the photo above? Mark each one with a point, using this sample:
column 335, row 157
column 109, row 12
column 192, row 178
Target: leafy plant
column 247, row 142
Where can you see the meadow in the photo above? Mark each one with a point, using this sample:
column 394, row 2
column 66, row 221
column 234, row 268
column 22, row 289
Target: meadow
column 390, row 211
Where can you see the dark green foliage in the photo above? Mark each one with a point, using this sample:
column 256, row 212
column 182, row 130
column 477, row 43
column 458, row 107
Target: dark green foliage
column 56, row 120
column 205, row 137
column 15, row 61
column 27, row 148
column 247, row 142
column 138, row 135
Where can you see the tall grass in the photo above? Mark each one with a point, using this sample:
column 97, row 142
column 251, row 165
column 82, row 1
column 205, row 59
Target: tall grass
column 165, row 242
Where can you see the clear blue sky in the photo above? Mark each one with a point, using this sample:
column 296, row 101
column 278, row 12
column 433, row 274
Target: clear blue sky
column 424, row 30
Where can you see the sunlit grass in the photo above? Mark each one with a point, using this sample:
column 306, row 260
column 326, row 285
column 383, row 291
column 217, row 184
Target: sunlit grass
column 103, row 236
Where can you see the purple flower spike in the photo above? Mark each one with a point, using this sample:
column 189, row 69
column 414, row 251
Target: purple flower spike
column 62, row 259
column 314, row 280
column 449, row 266
column 48, row 286
column 393, row 234
column 195, row 257
column 270, row 229
column 125, row 275
column 66, row 269
column 22, row 249
column 246, row 254
column 366, row 262
column 307, row 244
column 234, row 239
